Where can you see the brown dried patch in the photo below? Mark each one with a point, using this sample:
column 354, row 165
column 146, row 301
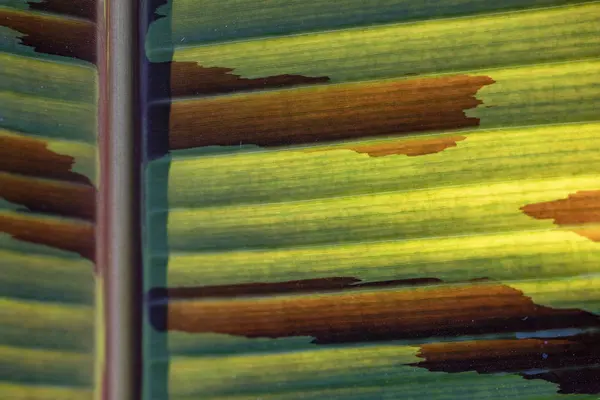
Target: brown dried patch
column 299, row 286
column 376, row 315
column 39, row 161
column 514, row 355
column 46, row 196
column 332, row 113
column 77, row 8
column 411, row 148
column 191, row 79
column 70, row 235
column 577, row 209
column 53, row 35
column 518, row 355
column 572, row 381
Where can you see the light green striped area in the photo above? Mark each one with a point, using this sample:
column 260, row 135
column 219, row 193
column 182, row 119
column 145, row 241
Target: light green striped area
column 202, row 21
column 57, row 119
column 45, row 78
column 44, row 325
column 462, row 210
column 257, row 374
column 38, row 392
column 276, row 176
column 46, row 278
column 359, row 373
column 503, row 256
column 541, row 94
column 379, row 52
column 45, row 367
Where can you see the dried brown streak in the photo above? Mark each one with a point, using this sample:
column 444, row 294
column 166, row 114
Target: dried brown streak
column 77, row 8
column 518, row 355
column 53, row 35
column 300, row 286
column 67, row 235
column 514, row 355
column 329, row 114
column 191, row 79
column 579, row 208
column 40, row 161
column 378, row 315
column 46, row 196
column 409, row 148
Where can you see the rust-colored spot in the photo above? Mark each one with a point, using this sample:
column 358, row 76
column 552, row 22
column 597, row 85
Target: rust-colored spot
column 332, row 113
column 29, row 156
column 47, row 196
column 579, row 208
column 558, row 356
column 409, row 148
column 76, row 8
column 299, row 286
column 70, row 235
column 363, row 316
column 52, row 34
column 191, row 79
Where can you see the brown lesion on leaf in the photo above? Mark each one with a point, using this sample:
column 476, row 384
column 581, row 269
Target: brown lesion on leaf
column 191, row 79
column 333, row 113
column 85, row 9
column 577, row 210
column 410, row 148
column 39, row 162
column 65, row 234
column 42, row 181
column 508, row 355
column 49, row 196
column 376, row 315
column 570, row 362
column 52, row 34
